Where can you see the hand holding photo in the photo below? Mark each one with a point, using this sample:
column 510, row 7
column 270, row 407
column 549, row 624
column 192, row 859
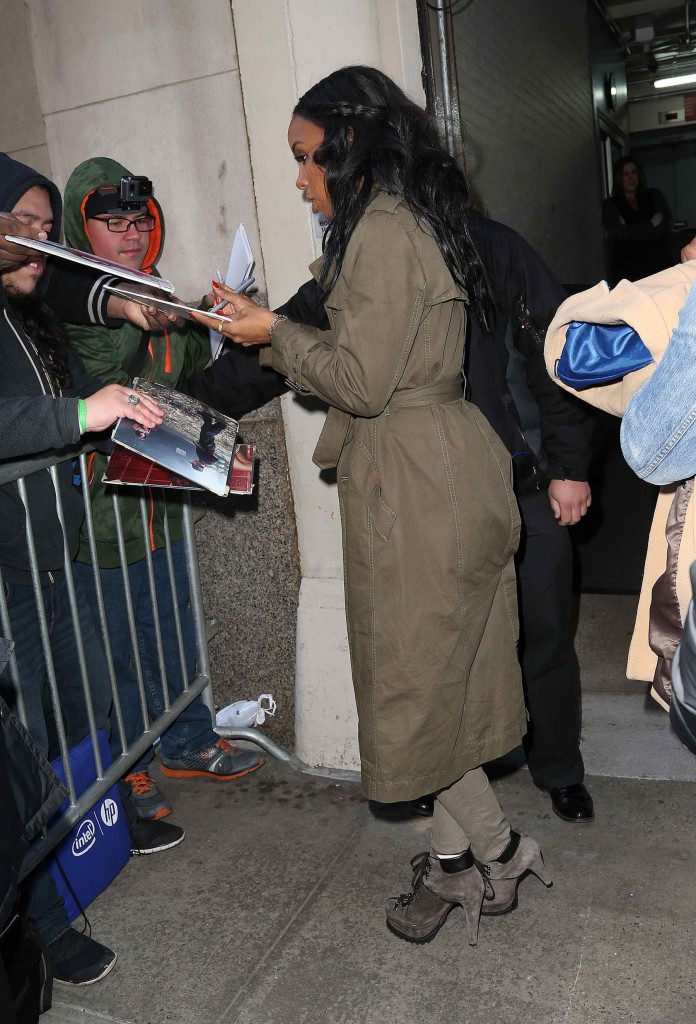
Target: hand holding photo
column 165, row 305
column 193, row 441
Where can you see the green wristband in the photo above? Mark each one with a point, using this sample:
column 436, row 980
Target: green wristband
column 82, row 414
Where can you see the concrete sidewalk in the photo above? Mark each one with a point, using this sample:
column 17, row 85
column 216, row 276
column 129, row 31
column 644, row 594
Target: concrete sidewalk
column 271, row 912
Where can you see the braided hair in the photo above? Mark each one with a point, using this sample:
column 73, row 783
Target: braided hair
column 374, row 134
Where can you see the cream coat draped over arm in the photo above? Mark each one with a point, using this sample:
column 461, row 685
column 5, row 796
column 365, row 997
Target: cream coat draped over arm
column 651, row 307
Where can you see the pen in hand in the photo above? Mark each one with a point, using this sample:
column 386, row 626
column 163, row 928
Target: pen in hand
column 246, row 283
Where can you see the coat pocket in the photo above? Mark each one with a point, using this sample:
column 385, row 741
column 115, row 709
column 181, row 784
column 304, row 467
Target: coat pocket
column 363, row 473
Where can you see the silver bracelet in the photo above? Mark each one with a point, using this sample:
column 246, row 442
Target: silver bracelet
column 274, row 322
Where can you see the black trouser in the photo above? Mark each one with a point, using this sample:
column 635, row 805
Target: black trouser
column 549, row 665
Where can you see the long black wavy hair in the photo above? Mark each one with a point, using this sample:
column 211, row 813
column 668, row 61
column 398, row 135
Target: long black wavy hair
column 48, row 334
column 374, row 133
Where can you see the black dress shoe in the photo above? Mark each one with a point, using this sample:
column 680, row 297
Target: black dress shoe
column 400, row 810
column 424, row 805
column 572, row 803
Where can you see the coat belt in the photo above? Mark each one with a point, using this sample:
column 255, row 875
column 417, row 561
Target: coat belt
column 338, row 423
column 430, row 394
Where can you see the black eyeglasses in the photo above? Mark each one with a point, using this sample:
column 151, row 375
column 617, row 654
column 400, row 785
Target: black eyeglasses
column 122, row 224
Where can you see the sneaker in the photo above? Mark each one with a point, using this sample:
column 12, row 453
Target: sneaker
column 154, row 837
column 221, row 762
column 79, row 960
column 148, row 799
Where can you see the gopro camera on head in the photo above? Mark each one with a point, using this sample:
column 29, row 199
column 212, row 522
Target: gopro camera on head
column 135, row 191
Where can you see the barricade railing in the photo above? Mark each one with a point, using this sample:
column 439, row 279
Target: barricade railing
column 17, row 472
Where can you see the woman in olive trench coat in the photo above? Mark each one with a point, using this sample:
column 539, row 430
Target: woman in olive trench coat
column 429, row 518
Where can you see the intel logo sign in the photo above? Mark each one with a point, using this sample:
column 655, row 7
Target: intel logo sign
column 85, row 838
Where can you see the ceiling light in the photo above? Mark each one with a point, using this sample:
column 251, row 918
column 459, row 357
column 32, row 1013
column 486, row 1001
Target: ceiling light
column 666, row 83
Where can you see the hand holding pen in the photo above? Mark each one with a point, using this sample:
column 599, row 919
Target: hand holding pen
column 239, row 290
column 245, row 323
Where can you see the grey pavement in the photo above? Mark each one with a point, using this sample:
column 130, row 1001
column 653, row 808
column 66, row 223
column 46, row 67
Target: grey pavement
column 271, row 911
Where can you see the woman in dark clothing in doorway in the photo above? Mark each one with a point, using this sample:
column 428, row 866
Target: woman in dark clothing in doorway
column 637, row 222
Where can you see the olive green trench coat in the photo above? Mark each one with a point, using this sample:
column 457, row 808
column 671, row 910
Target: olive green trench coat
column 429, row 518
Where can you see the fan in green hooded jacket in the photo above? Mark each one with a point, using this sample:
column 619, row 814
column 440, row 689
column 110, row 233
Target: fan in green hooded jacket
column 128, row 227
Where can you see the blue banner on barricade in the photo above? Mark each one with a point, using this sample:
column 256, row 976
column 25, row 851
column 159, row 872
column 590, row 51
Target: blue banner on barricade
column 98, row 847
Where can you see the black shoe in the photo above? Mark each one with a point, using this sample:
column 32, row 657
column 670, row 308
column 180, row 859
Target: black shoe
column 79, row 960
column 572, row 803
column 399, row 810
column 424, row 805
column 153, row 836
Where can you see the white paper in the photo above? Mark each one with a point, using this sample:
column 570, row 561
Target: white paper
column 239, row 269
column 179, row 308
column 87, row 259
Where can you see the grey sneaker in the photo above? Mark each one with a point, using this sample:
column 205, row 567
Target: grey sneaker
column 221, row 762
column 148, row 799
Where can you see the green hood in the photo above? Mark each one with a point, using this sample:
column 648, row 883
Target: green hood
column 87, row 178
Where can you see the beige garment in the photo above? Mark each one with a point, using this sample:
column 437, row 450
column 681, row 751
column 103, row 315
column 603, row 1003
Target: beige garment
column 467, row 813
column 651, row 307
column 429, row 519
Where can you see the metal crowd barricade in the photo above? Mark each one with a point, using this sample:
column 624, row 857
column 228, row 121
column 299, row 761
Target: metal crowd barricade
column 107, row 775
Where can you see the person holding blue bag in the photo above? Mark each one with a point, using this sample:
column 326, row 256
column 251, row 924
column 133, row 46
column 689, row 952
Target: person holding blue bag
column 619, row 350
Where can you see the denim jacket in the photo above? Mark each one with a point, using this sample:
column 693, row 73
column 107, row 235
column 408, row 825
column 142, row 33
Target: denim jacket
column 658, row 431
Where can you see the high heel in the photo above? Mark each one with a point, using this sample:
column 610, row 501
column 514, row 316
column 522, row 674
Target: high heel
column 417, row 916
column 503, row 875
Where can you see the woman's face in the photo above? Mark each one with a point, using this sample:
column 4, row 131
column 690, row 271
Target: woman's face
column 304, row 138
column 631, row 177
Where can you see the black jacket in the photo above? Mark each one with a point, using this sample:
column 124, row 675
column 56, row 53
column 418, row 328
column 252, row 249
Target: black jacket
column 30, row 794
column 546, row 430
column 34, row 417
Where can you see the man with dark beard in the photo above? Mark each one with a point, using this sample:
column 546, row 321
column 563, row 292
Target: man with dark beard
column 47, row 401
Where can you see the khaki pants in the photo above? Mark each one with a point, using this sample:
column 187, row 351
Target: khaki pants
column 467, row 813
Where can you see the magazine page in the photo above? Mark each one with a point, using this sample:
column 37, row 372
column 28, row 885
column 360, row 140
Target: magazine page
column 194, row 441
column 94, row 262
column 130, row 469
column 242, row 473
column 179, row 308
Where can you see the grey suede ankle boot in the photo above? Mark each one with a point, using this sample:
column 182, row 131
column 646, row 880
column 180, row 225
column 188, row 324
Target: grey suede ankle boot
column 417, row 916
column 503, row 875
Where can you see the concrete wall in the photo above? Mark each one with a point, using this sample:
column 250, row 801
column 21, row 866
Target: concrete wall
column 526, row 104
column 22, row 130
column 159, row 91
column 285, row 46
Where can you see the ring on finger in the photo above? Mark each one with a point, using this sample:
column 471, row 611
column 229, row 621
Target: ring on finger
column 133, row 399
